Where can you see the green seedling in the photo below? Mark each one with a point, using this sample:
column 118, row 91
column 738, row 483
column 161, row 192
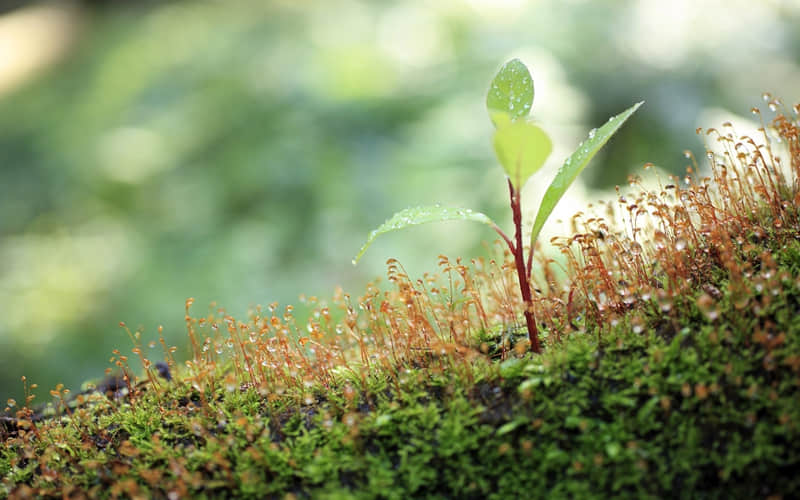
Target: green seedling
column 522, row 147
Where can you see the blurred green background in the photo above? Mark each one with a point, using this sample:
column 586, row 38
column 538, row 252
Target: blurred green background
column 240, row 151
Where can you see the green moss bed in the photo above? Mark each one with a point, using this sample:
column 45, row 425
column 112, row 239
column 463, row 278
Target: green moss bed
column 671, row 369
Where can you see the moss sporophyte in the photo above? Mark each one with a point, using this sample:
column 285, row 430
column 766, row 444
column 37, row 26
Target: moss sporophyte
column 522, row 148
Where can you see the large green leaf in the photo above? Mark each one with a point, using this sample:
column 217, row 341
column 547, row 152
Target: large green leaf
column 575, row 164
column 522, row 149
column 511, row 92
column 423, row 215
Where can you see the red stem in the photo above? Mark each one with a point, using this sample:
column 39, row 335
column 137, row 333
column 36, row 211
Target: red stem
column 505, row 238
column 519, row 260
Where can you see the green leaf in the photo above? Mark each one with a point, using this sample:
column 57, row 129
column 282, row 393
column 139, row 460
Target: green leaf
column 511, row 368
column 422, row 215
column 575, row 164
column 522, row 149
column 613, row 449
column 511, row 92
column 510, row 426
column 383, row 420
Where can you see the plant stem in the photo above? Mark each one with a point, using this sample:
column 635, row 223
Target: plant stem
column 519, row 260
column 505, row 238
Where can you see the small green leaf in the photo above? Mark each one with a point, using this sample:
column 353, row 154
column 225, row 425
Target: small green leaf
column 573, row 422
column 613, row 449
column 383, row 420
column 510, row 426
column 423, row 215
column 575, row 164
column 522, row 149
column 511, row 368
column 531, row 383
column 511, row 92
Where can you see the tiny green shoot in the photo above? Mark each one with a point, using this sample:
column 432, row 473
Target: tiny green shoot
column 522, row 147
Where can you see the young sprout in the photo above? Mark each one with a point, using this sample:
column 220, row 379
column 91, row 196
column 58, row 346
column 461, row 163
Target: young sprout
column 522, row 147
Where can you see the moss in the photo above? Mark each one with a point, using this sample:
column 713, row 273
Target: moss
column 670, row 369
column 627, row 417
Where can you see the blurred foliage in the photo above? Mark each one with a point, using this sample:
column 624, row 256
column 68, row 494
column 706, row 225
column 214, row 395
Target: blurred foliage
column 239, row 152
